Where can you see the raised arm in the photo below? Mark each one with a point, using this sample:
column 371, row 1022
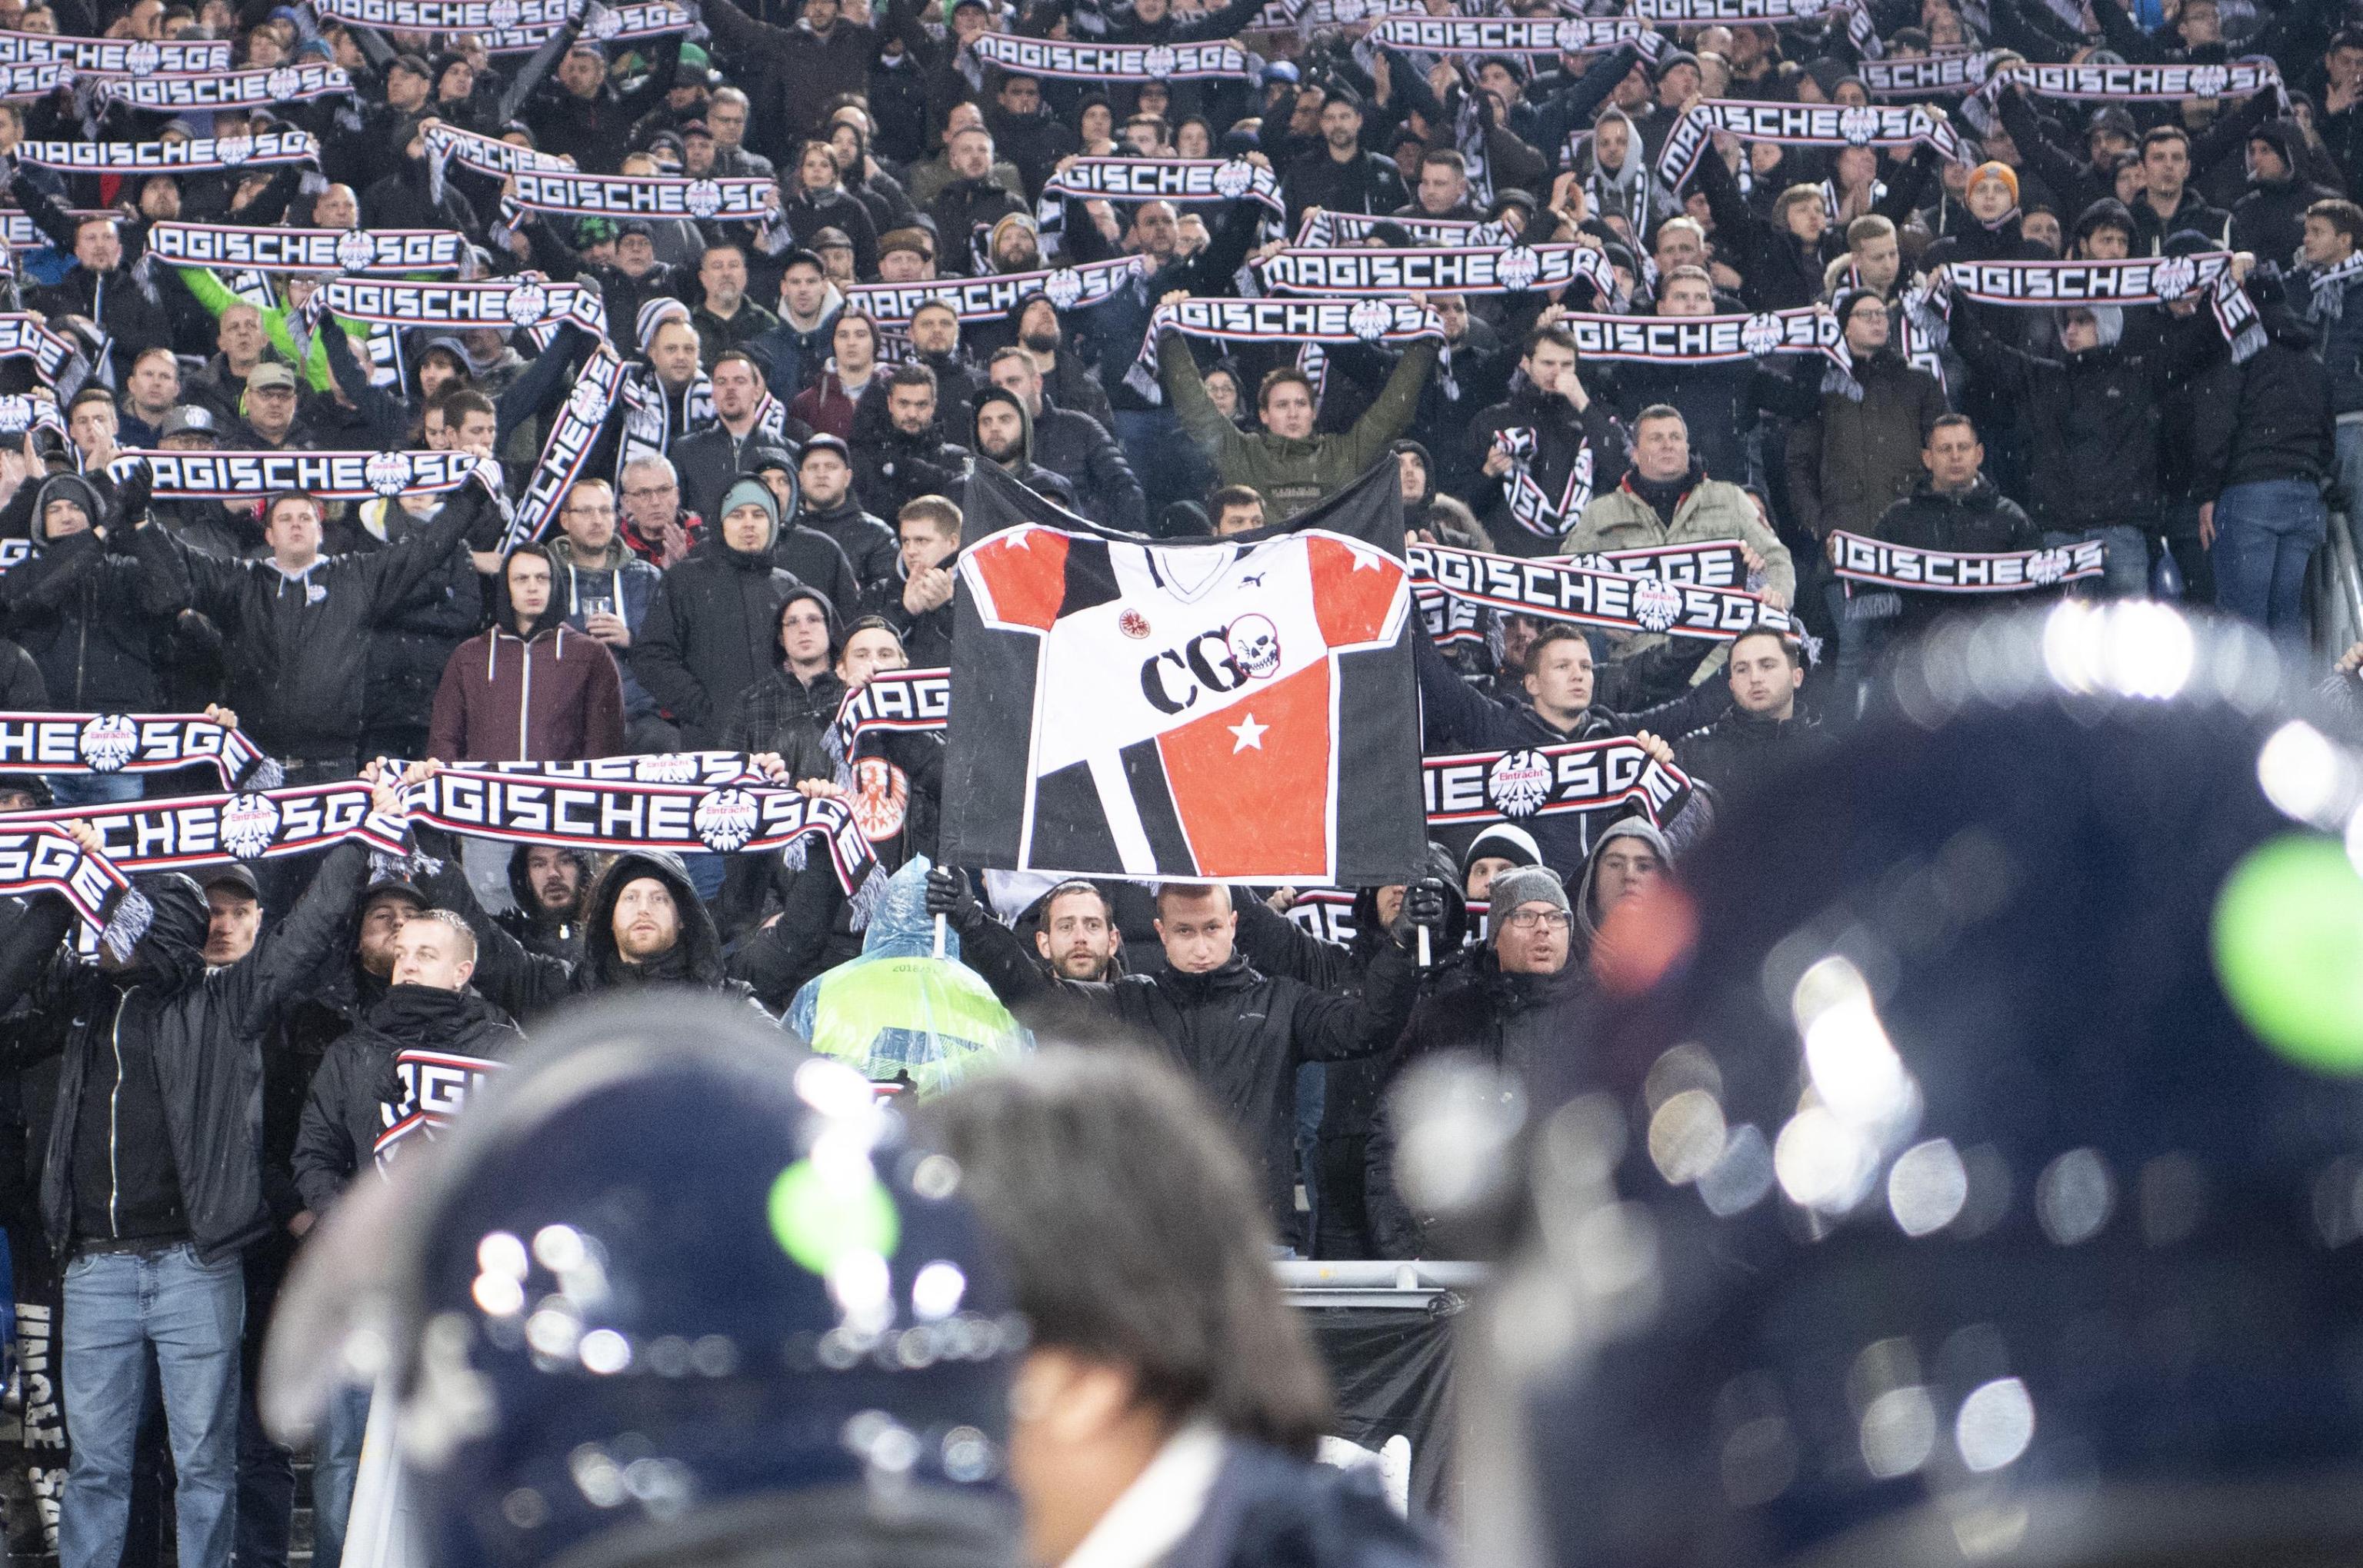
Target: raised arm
column 1185, row 389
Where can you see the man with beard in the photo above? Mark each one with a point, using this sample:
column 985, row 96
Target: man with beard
column 797, row 347
column 908, row 458
column 1066, row 380
column 711, row 630
column 1765, row 723
column 709, row 461
column 824, row 470
column 1003, row 433
column 1073, row 445
column 1339, row 176
column 726, row 318
column 548, row 881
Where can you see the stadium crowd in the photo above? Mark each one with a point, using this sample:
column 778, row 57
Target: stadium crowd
column 766, row 512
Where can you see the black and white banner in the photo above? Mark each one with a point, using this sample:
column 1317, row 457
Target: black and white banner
column 1803, row 125
column 1547, row 781
column 1714, row 563
column 1508, row 35
column 515, row 26
column 2142, row 279
column 895, row 701
column 171, row 92
column 1323, row 230
column 20, row 232
column 1394, row 322
column 708, row 769
column 1505, row 270
column 1858, row 560
column 175, row 832
column 564, row 454
column 308, row 249
column 1183, row 180
column 1933, row 76
column 991, row 298
column 41, row 858
column 1618, row 600
column 434, row 1087
column 1685, row 13
column 206, row 153
column 131, row 743
column 1099, row 62
column 21, row 81
column 519, row 302
column 2145, row 83
column 484, row 154
column 324, row 476
column 747, row 198
column 1308, row 14
column 117, row 57
column 15, row 553
column 24, row 338
column 1704, row 339
column 523, row 807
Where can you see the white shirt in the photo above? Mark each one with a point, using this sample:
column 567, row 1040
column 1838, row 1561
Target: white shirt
column 1161, row 1506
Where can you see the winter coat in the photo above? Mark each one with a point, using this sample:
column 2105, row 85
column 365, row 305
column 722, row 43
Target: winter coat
column 709, row 636
column 806, row 213
column 1365, row 182
column 1780, row 271
column 791, row 73
column 1736, row 752
column 927, row 636
column 1266, row 1507
column 1619, row 519
column 2269, row 419
column 1119, row 324
column 1513, row 1024
column 1239, row 1034
column 410, row 647
column 1291, row 474
column 1560, row 437
column 356, row 1096
column 1718, row 402
column 713, row 460
column 1979, row 520
column 22, row 690
column 620, row 580
column 867, row 542
column 1079, row 448
column 2341, row 337
column 552, row 696
column 892, row 469
column 199, row 1030
column 537, row 931
column 298, row 646
column 91, row 619
column 1852, row 460
column 793, row 354
column 964, row 212
column 1023, row 469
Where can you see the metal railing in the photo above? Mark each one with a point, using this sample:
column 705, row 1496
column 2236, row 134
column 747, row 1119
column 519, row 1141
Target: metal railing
column 1407, row 1286
column 2338, row 590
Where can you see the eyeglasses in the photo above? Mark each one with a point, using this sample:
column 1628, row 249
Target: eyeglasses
column 1548, row 920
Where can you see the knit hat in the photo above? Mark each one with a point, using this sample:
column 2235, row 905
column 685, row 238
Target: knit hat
column 744, row 490
column 654, row 314
column 68, row 487
column 1524, row 884
column 1503, row 841
column 1990, row 170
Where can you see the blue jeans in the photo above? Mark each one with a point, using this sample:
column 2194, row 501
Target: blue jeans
column 96, row 789
column 118, row 1305
column 2265, row 533
column 2127, row 572
column 336, row 1461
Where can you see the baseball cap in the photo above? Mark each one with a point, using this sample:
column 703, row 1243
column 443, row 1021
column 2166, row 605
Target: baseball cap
column 268, row 375
column 697, row 128
column 232, row 876
column 190, row 419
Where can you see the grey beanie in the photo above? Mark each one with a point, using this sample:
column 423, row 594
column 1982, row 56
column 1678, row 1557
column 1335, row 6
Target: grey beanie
column 67, row 487
column 1523, row 885
column 746, row 490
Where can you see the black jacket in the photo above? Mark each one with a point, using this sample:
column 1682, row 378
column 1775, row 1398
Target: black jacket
column 1269, row 1507
column 867, row 542
column 357, row 1096
column 1734, row 754
column 891, row 468
column 792, row 73
column 1979, row 520
column 538, row 931
column 2269, row 419
column 91, row 618
column 1079, row 448
column 928, row 636
column 1719, row 402
column 709, row 635
column 1238, row 1032
column 1557, row 438
column 199, row 1030
column 1365, row 182
column 22, row 688
column 299, row 645
column 416, row 638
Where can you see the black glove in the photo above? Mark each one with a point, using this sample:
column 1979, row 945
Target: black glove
column 1423, row 905
column 131, row 492
column 948, row 894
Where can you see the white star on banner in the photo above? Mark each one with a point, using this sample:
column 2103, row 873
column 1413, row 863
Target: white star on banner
column 1248, row 733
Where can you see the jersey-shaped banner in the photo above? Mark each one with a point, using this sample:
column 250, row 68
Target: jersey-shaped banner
column 1225, row 711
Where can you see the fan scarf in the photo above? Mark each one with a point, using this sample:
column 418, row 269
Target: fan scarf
column 898, row 700
column 435, row 1086
column 1307, row 16
column 23, row 337
column 2329, row 287
column 20, row 232
column 173, row 92
column 742, row 197
column 326, row 476
column 1858, row 560
column 1860, row 30
column 1714, row 563
column 1547, row 781
column 1616, row 600
column 2124, row 83
column 36, row 859
column 515, row 26
column 131, row 743
column 23, row 82
column 1397, row 323
column 1094, row 62
column 708, row 769
column 527, row 302
column 1803, row 125
column 1508, row 35
column 209, row 152
column 2142, row 279
column 991, row 298
column 308, row 249
column 1937, row 76
column 1183, row 180
column 123, row 57
column 1323, row 230
column 179, row 832
column 523, row 806
column 648, row 413
column 1505, row 270
column 567, row 451
column 1533, row 508
column 484, row 154
column 1704, row 339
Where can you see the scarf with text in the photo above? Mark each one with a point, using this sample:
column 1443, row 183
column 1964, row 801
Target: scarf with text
column 175, row 833
column 649, row 425
column 1803, row 125
column 484, row 154
column 2330, row 284
column 1535, row 509
column 36, row 858
column 1309, row 15
column 1620, row 601
column 991, row 298
column 528, row 301
column 23, row 337
column 20, row 232
column 1396, row 323
column 896, row 700
column 1508, row 35
column 1547, row 781
column 1855, row 558
column 1714, row 563
column 1704, row 339
column 1100, row 62
column 131, row 743
column 514, row 27
column 308, row 249
column 2141, row 279
column 1362, row 272
column 1321, row 230
column 743, row 197
column 171, row 157
column 1935, row 76
column 1860, row 30
column 115, row 57
column 520, row 806
column 1183, row 180
column 173, row 92
column 26, row 82
column 1329, row 913
column 567, row 451
column 326, row 476
column 435, row 1086
column 708, row 769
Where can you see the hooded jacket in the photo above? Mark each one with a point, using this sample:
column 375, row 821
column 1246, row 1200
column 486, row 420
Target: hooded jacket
column 1853, row 460
column 891, row 467
column 196, row 1032
column 1023, row 469
column 409, row 648
column 806, row 553
column 357, row 1096
column 780, row 710
column 551, row 695
column 1558, row 437
column 1078, row 449
column 537, row 931
column 710, row 633
column 92, row 611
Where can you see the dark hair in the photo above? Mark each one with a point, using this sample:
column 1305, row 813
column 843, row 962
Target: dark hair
column 530, row 548
column 1558, row 336
column 279, row 498
column 2341, row 215
column 1073, row 886
column 877, row 624
column 866, row 324
column 1449, row 156
column 1781, row 635
column 1948, row 421
column 1279, row 376
column 909, row 375
column 1134, row 1233
column 460, row 402
column 1555, row 632
column 1232, row 495
column 721, row 245
column 92, row 393
column 744, row 358
column 2157, row 134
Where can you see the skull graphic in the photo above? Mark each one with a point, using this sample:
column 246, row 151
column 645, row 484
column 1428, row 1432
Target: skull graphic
column 1254, row 643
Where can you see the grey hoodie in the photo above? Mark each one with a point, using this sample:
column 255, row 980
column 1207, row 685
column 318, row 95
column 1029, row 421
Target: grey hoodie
column 1587, row 927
